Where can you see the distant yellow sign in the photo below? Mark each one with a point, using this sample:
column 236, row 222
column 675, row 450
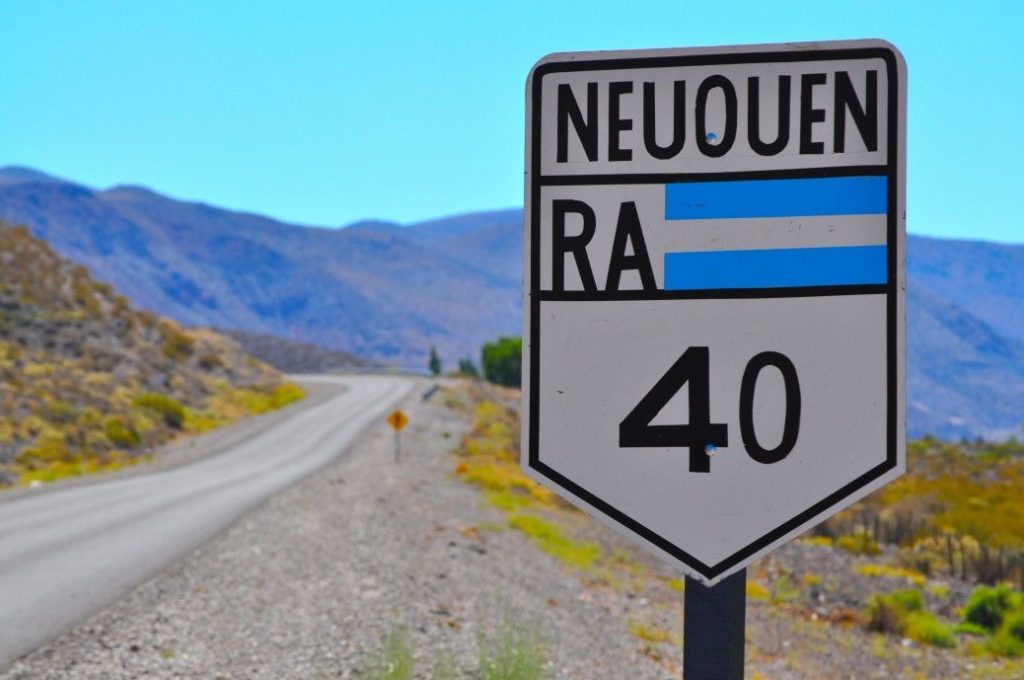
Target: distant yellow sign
column 398, row 420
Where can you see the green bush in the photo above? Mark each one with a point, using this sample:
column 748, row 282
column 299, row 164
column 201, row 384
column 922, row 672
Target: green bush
column 512, row 652
column 988, row 605
column 168, row 408
column 120, row 433
column 467, row 367
column 923, row 627
column 970, row 629
column 1009, row 639
column 1014, row 625
column 177, row 345
column 858, row 543
column 434, row 363
column 503, row 361
column 59, row 412
column 902, row 613
column 888, row 613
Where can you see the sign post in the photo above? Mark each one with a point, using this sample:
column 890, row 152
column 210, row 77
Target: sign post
column 714, row 291
column 398, row 420
column 713, row 625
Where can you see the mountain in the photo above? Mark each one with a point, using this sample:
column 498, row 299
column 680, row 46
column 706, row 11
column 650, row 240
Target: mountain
column 373, row 289
column 87, row 382
column 965, row 338
column 295, row 357
column 389, row 292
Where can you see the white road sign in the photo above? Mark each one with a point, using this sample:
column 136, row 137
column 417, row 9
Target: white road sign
column 714, row 290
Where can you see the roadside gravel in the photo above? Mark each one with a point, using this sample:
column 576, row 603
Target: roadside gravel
column 309, row 585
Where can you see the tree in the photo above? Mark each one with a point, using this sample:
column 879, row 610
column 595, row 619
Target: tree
column 467, row 367
column 434, row 363
column 503, row 361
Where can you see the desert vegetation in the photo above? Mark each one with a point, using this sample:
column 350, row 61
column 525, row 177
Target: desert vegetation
column 959, row 511
column 509, row 650
column 933, row 560
column 502, row 361
column 87, row 383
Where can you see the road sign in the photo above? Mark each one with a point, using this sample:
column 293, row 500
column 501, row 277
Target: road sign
column 398, row 420
column 714, row 315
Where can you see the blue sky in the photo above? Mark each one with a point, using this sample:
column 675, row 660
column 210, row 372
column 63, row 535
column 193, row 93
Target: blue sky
column 329, row 112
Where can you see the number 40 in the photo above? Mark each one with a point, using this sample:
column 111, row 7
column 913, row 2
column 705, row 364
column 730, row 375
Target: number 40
column 700, row 435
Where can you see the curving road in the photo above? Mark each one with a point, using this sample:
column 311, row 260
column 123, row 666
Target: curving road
column 67, row 553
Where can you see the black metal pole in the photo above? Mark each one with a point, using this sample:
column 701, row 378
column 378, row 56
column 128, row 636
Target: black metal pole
column 713, row 624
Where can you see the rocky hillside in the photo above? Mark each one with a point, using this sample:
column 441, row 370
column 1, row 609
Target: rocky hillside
column 295, row 357
column 373, row 289
column 87, row 382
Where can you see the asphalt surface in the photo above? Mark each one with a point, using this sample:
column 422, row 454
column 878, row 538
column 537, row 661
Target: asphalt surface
column 66, row 553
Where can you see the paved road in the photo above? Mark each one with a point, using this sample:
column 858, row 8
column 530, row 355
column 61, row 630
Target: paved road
column 66, row 553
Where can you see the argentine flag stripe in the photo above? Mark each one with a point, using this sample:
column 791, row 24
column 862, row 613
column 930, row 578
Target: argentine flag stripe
column 776, row 233
column 776, row 198
column 771, row 233
column 780, row 268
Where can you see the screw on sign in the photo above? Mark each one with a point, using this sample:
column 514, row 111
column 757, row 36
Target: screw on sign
column 398, row 420
column 714, row 307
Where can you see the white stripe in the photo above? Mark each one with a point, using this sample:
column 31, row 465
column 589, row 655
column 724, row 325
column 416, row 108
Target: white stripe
column 769, row 233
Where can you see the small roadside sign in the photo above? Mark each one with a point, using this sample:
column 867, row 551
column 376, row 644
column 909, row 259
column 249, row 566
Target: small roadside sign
column 714, row 293
column 398, row 420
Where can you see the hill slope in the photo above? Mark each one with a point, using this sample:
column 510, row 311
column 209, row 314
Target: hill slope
column 368, row 289
column 295, row 357
column 386, row 291
column 87, row 382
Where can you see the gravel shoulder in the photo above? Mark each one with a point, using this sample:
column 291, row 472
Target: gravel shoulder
column 309, row 585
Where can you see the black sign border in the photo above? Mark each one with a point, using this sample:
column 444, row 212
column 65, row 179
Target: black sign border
column 890, row 170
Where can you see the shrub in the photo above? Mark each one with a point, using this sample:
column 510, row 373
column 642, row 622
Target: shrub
column 394, row 661
column 902, row 613
column 923, row 627
column 512, row 652
column 177, row 345
column 120, row 433
column 168, row 408
column 888, row 613
column 987, row 606
column 1008, row 640
column 467, row 367
column 59, row 412
column 859, row 543
column 1014, row 625
column 970, row 629
column 756, row 591
column 885, row 571
column 549, row 538
column 502, row 361
column 434, row 363
column 651, row 634
column 211, row 362
column 784, row 590
column 49, row 448
column 257, row 401
column 1005, row 643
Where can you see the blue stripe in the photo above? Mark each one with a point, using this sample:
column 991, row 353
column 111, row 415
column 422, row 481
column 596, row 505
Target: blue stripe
column 776, row 198
column 779, row 268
